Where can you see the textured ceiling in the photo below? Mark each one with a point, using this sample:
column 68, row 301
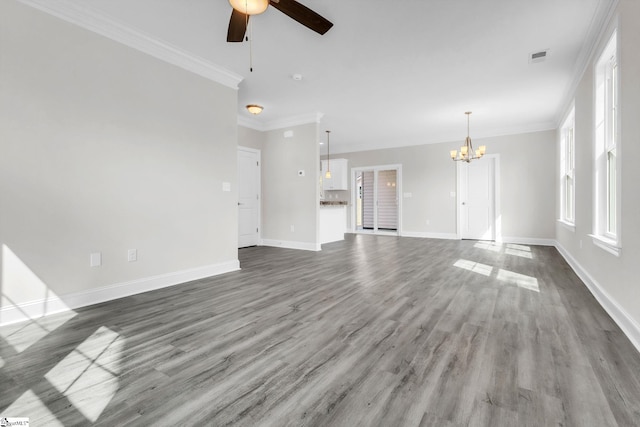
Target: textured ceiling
column 390, row 73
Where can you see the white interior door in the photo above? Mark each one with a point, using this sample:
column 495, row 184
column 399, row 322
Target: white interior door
column 477, row 199
column 248, row 197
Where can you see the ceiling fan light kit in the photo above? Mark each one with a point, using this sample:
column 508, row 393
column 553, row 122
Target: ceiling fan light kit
column 250, row 7
column 467, row 152
column 242, row 9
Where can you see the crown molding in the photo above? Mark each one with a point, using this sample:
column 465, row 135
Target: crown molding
column 303, row 119
column 597, row 28
column 99, row 23
column 445, row 138
column 251, row 123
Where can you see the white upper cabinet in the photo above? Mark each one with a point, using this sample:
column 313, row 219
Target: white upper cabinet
column 339, row 175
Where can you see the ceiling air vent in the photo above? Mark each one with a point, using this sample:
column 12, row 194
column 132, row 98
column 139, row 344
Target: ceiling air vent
column 538, row 56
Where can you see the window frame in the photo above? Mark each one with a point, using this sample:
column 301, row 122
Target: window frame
column 607, row 155
column 567, row 171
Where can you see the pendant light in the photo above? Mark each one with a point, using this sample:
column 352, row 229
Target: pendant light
column 466, row 151
column 328, row 174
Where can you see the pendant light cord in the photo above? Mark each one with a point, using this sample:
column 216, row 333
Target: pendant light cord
column 249, row 37
column 250, row 45
column 328, row 152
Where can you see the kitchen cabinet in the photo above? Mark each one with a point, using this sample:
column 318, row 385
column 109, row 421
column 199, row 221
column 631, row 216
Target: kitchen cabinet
column 339, row 175
column 333, row 223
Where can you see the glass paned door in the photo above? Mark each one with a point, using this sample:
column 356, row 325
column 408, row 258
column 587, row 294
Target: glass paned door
column 387, row 200
column 376, row 200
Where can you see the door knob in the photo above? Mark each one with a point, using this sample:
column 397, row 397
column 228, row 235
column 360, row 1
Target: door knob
column 463, row 203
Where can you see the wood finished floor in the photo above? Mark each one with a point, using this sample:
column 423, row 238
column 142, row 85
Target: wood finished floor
column 378, row 331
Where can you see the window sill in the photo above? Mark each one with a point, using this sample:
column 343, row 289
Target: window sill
column 608, row 245
column 569, row 226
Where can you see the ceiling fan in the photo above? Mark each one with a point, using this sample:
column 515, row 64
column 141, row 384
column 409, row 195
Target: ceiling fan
column 242, row 9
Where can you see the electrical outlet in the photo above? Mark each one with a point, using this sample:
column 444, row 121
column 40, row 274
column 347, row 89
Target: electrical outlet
column 293, row 229
column 132, row 255
column 428, row 222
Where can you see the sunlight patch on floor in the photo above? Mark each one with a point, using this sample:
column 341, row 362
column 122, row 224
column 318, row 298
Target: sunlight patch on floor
column 518, row 247
column 519, row 250
column 476, row 267
column 88, row 376
column 489, row 246
column 23, row 335
column 520, row 280
column 19, row 284
column 28, row 405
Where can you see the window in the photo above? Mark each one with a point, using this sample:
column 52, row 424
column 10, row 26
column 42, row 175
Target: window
column 607, row 149
column 567, row 170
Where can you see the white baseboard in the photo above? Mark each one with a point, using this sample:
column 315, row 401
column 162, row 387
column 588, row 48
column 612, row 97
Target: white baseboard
column 428, row 235
column 57, row 304
column 527, row 241
column 629, row 326
column 304, row 246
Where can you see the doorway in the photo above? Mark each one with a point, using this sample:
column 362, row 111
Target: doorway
column 248, row 197
column 376, row 199
column 479, row 199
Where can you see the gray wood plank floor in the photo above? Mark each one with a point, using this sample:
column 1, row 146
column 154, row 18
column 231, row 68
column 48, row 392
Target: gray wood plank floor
column 371, row 331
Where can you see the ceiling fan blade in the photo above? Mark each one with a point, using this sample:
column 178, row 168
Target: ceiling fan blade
column 303, row 15
column 237, row 26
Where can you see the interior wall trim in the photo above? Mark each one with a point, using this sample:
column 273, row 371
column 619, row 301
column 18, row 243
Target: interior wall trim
column 83, row 16
column 629, row 326
column 527, row 241
column 57, row 304
column 428, row 235
column 301, row 119
column 305, row 246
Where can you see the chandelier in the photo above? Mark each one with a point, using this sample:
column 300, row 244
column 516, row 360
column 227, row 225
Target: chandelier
column 466, row 151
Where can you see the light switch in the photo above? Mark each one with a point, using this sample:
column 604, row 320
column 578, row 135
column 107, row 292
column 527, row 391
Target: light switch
column 288, row 133
column 452, row 194
column 226, row 186
column 95, row 259
column 408, row 195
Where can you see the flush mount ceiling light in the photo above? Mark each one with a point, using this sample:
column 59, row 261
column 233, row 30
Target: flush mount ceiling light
column 250, row 7
column 466, row 151
column 255, row 108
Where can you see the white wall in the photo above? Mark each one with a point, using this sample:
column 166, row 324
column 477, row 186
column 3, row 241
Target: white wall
column 527, row 181
column 614, row 280
column 251, row 138
column 103, row 149
column 288, row 199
